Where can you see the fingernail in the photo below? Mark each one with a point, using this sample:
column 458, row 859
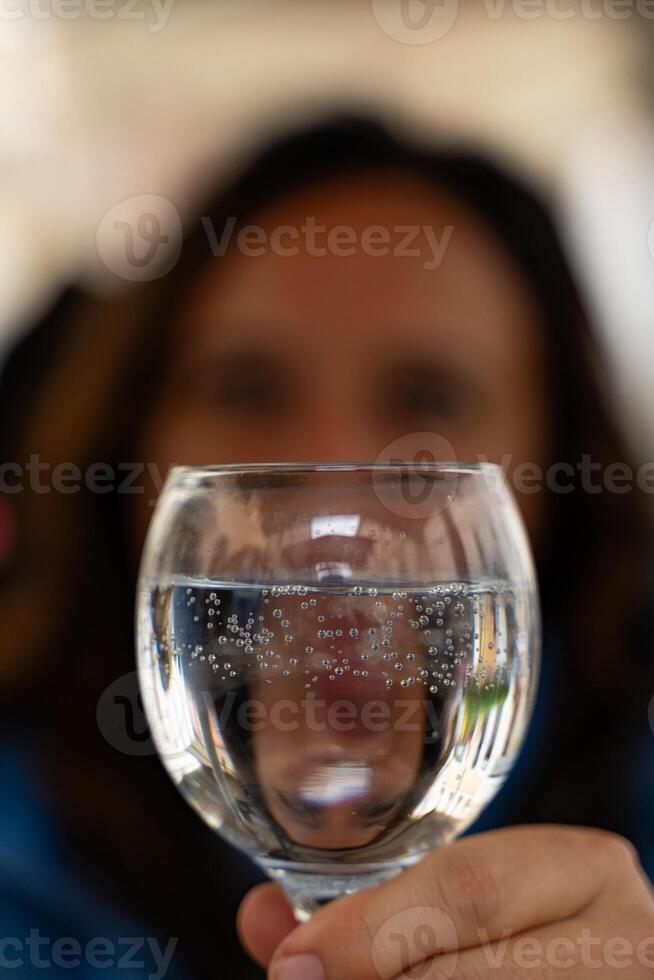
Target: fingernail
column 303, row 967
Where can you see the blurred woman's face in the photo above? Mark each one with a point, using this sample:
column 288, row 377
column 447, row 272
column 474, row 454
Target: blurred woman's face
column 290, row 357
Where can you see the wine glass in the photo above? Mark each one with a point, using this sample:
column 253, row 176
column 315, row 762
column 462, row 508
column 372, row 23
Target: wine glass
column 338, row 661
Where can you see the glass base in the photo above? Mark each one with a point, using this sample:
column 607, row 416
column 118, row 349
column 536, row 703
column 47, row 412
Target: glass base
column 307, row 889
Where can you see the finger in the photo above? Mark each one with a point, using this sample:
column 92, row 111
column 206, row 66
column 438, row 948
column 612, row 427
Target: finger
column 583, row 947
column 547, row 956
column 514, row 879
column 264, row 919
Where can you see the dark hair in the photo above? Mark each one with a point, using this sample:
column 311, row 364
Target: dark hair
column 72, row 569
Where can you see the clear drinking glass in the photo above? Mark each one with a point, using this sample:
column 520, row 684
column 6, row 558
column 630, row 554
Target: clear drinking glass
column 338, row 661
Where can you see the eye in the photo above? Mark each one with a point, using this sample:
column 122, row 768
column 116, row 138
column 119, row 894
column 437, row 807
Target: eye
column 247, row 392
column 423, row 399
column 246, row 383
column 427, row 391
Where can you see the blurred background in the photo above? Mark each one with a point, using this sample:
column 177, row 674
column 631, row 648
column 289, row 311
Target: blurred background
column 112, row 109
column 103, row 102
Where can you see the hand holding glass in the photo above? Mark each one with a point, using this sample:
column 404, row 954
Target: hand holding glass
column 338, row 661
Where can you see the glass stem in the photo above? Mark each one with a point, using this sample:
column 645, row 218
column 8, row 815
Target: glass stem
column 307, row 891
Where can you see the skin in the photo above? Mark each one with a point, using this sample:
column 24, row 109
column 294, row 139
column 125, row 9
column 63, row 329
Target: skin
column 307, row 358
column 287, row 761
column 554, row 885
column 325, row 358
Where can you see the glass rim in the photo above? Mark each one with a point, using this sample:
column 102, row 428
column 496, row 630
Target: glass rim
column 338, row 467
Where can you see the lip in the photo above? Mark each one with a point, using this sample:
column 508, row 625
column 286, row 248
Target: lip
column 345, row 689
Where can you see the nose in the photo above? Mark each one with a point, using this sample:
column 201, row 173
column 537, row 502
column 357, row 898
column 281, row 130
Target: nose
column 331, row 432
